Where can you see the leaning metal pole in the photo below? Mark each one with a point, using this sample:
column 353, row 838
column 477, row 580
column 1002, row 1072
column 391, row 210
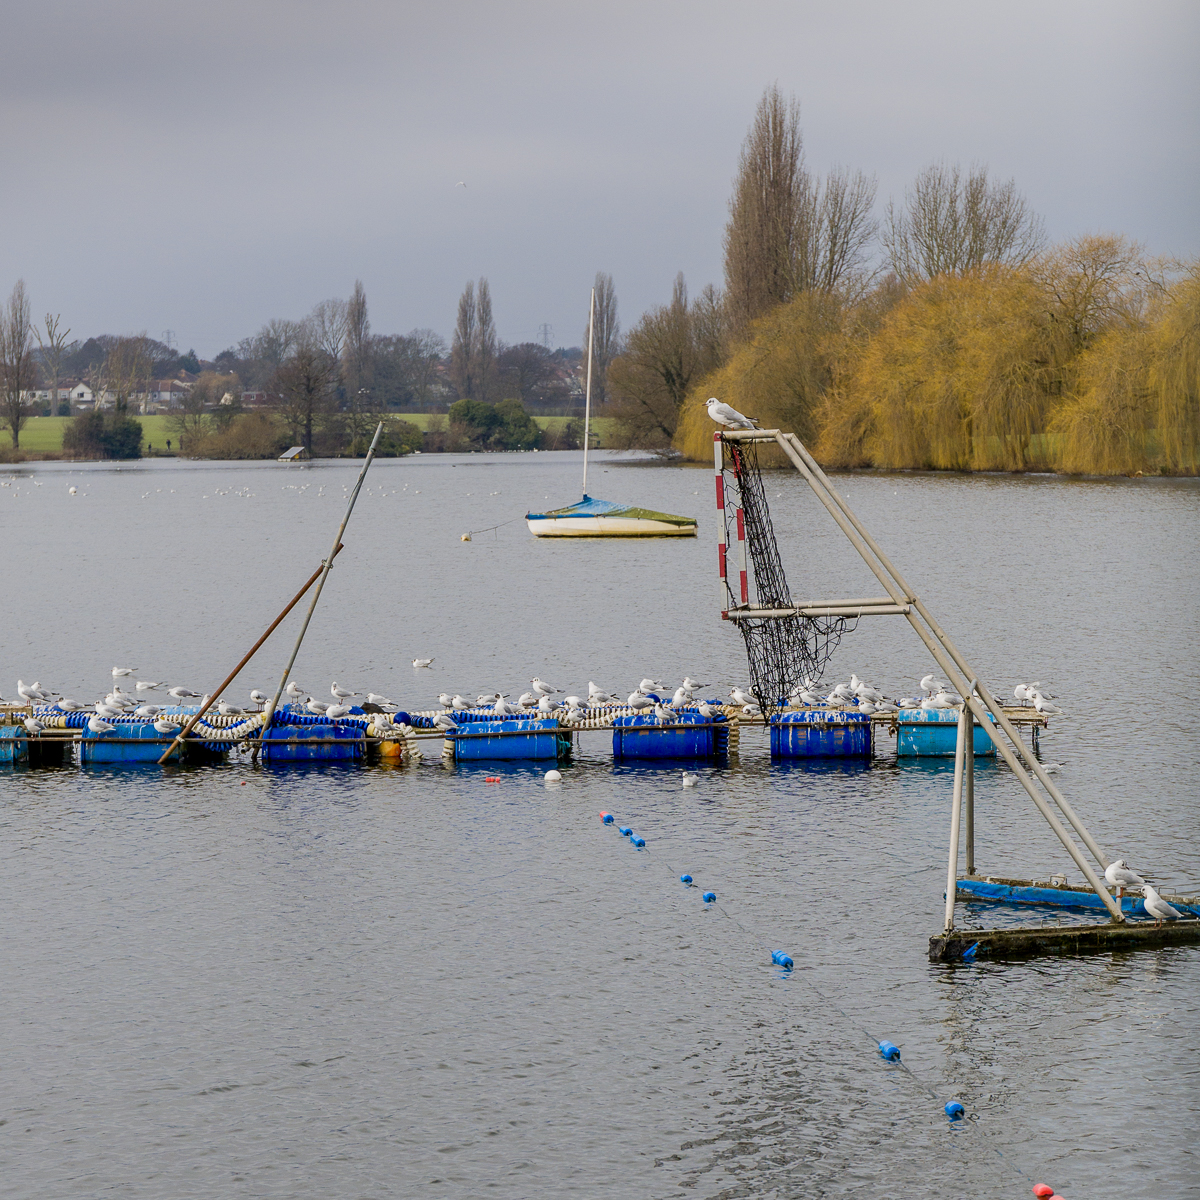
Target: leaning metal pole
column 945, row 654
column 961, row 750
column 269, row 711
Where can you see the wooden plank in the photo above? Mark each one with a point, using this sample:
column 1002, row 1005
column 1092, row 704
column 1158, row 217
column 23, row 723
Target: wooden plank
column 972, row 945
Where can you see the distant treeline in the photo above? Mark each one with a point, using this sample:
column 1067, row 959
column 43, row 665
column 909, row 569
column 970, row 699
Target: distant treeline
column 966, row 342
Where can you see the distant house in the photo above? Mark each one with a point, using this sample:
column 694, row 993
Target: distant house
column 295, row 454
column 256, row 399
column 82, row 396
column 166, row 393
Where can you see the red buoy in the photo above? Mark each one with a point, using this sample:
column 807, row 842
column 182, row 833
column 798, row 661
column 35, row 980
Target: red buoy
column 1043, row 1190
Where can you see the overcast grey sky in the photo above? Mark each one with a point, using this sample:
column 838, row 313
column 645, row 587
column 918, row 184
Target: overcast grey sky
column 205, row 167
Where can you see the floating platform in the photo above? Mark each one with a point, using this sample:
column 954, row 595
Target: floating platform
column 538, row 738
column 690, row 736
column 1058, row 895
column 604, row 518
column 999, row 944
column 821, row 733
column 933, row 733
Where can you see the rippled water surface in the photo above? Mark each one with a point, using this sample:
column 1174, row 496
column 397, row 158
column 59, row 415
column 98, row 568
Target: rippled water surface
column 416, row 982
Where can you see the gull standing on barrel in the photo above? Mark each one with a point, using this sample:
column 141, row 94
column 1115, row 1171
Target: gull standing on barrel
column 728, row 416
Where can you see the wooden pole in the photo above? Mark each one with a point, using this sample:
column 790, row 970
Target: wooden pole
column 248, row 656
column 965, row 721
column 587, row 403
column 969, row 799
column 269, row 711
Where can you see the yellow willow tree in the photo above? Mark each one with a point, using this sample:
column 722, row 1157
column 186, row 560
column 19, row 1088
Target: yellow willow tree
column 1175, row 374
column 960, row 376
column 779, row 375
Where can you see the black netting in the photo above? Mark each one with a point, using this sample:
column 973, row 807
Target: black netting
column 782, row 651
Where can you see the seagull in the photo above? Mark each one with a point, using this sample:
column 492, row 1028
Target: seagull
column 374, row 698
column 1119, row 875
column 293, row 689
column 96, row 725
column 71, row 706
column 444, row 722
column 542, row 689
column 682, row 697
column 546, row 705
column 144, row 685
column 740, row 697
column 1157, row 907
column 574, row 702
column 692, row 685
column 708, row 711
column 487, row 701
column 165, row 725
column 230, row 710
column 808, row 697
column 843, row 691
column 948, row 698
column 664, row 715
column 336, row 711
column 639, row 700
column 147, row 710
column 527, row 700
column 259, row 698
column 929, row 684
column 31, row 691
column 460, row 702
column 596, row 696
column 690, row 780
column 908, row 702
column 315, row 706
column 574, row 715
column 1044, row 706
column 34, row 727
column 460, row 183
column 502, row 708
column 866, row 707
column 723, row 414
column 651, row 685
column 444, row 699
column 863, row 690
column 182, row 693
column 119, row 671
column 340, row 693
column 106, row 710
column 422, row 662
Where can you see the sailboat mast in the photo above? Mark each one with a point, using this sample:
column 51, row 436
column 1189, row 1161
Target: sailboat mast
column 587, row 404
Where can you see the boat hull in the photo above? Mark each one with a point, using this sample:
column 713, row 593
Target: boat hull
column 606, row 527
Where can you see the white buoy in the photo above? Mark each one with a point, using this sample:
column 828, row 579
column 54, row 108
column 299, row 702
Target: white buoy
column 553, row 777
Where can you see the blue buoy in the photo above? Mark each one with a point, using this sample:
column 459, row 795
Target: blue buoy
column 890, row 1051
column 781, row 960
column 607, row 818
column 640, row 843
column 955, row 1111
column 625, row 831
column 685, row 879
column 709, row 897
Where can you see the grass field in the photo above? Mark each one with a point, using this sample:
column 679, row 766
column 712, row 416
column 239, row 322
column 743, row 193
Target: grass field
column 43, row 435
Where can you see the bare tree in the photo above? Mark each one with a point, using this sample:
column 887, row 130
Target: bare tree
column 462, row 349
column 473, row 351
column 305, row 383
column 485, row 344
column 16, row 361
column 127, row 369
column 53, row 347
column 765, row 210
column 837, row 230
column 427, row 350
column 949, row 224
column 666, row 352
column 607, row 340
column 327, row 324
column 356, row 363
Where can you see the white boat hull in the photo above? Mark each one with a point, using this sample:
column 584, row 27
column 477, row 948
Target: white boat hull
column 606, row 527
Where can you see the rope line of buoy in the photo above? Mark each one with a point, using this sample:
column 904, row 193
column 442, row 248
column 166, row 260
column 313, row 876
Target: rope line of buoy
column 466, row 537
column 955, row 1110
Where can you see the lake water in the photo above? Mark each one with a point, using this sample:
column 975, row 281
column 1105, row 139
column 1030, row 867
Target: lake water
column 374, row 983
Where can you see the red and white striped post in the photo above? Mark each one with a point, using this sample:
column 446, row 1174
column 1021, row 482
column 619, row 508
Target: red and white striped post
column 741, row 537
column 722, row 583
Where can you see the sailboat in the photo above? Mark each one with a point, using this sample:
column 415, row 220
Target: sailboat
column 591, row 517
